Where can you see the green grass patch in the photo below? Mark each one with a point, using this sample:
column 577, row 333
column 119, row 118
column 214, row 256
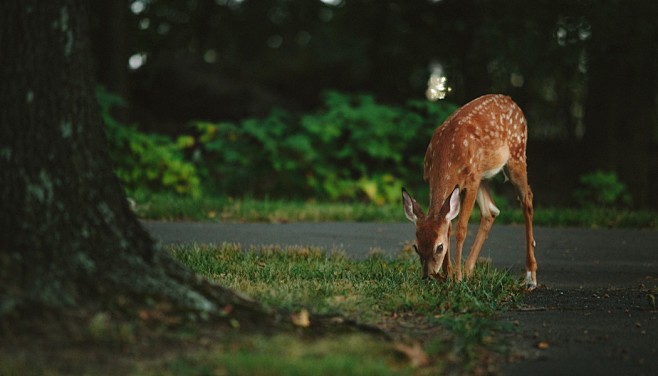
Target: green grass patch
column 172, row 207
column 455, row 323
column 289, row 355
column 300, row 277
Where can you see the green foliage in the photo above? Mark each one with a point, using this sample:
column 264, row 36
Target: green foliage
column 354, row 148
column 263, row 157
column 146, row 162
column 602, row 189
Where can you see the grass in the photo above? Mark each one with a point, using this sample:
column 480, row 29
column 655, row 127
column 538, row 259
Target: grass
column 430, row 327
column 424, row 327
column 287, row 355
column 169, row 207
column 454, row 323
column 300, row 277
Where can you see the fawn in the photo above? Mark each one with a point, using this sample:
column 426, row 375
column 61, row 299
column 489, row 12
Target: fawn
column 471, row 146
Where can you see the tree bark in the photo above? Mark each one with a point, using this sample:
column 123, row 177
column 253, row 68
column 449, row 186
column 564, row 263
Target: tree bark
column 68, row 237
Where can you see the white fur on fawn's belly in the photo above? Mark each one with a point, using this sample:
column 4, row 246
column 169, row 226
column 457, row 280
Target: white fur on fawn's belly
column 501, row 155
column 491, row 173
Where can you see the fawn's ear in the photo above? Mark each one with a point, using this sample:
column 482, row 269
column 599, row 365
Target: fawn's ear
column 454, row 205
column 411, row 208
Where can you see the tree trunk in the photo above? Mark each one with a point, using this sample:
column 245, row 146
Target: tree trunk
column 68, row 237
column 620, row 107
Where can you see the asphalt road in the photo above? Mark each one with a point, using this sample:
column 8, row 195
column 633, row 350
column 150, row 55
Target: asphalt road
column 592, row 312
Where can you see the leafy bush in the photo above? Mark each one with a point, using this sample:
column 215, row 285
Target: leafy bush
column 146, row 162
column 603, row 189
column 354, row 148
column 257, row 157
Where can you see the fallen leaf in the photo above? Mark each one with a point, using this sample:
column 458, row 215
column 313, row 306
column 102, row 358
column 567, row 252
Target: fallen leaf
column 144, row 314
column 301, row 319
column 159, row 316
column 339, row 299
column 227, row 309
column 543, row 345
column 415, row 353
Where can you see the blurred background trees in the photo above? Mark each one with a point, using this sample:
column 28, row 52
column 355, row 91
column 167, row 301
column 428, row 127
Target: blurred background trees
column 297, row 80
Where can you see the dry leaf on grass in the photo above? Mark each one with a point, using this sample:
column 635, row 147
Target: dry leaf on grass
column 415, row 353
column 301, row 319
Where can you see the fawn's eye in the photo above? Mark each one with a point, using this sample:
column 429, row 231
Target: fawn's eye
column 439, row 248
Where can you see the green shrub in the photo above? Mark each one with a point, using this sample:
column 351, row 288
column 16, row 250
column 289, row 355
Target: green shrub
column 255, row 157
column 360, row 140
column 353, row 148
column 146, row 162
column 602, row 189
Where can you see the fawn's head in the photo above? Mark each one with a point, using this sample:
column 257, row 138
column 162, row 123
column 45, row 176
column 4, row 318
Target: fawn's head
column 432, row 231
